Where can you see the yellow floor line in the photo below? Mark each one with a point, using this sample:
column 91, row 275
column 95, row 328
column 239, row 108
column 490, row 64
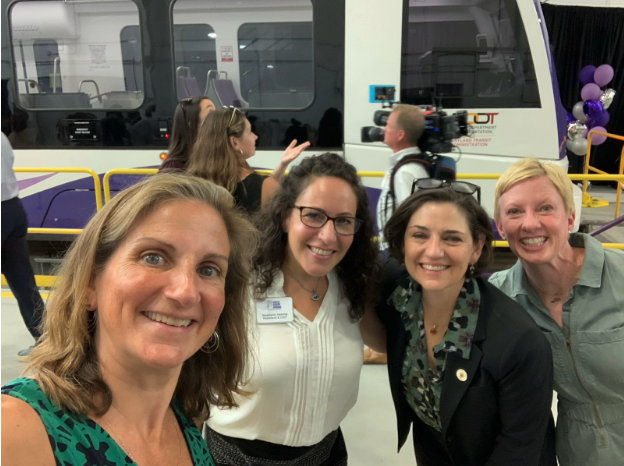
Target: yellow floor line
column 10, row 295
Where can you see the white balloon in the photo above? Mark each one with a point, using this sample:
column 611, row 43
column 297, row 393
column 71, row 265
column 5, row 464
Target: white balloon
column 577, row 111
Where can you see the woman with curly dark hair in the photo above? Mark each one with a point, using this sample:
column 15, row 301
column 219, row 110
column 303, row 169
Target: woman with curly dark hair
column 316, row 273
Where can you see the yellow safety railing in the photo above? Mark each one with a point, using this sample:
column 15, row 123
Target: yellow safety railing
column 47, row 281
column 123, row 171
column 96, row 184
column 43, row 281
column 363, row 174
column 588, row 201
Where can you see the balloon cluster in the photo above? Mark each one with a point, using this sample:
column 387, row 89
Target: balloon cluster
column 591, row 112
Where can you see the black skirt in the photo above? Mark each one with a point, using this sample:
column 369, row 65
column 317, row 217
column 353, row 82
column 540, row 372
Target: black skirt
column 232, row 451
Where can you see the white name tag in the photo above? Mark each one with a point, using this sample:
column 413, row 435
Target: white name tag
column 275, row 311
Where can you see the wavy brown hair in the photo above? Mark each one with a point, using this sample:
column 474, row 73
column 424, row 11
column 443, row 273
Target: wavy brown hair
column 66, row 360
column 477, row 218
column 358, row 271
column 213, row 157
column 184, row 132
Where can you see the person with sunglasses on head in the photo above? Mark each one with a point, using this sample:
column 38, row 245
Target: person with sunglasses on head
column 468, row 368
column 224, row 144
column 315, row 273
column 187, row 119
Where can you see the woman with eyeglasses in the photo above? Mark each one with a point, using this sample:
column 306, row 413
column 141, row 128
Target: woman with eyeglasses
column 469, row 370
column 315, row 274
column 224, row 144
column 187, row 119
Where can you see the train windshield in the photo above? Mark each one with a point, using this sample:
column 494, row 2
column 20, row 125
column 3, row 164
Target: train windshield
column 466, row 54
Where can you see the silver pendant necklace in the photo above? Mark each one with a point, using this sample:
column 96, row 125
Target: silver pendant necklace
column 314, row 296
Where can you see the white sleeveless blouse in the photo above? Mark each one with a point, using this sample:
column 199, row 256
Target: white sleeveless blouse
column 305, row 376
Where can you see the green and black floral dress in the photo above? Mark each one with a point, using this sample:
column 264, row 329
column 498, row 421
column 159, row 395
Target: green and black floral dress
column 423, row 386
column 79, row 441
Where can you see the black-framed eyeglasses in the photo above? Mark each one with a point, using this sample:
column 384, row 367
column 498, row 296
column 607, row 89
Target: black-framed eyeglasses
column 461, row 187
column 316, row 218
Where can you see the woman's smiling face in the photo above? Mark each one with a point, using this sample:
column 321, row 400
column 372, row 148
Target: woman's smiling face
column 438, row 247
column 533, row 218
column 160, row 295
column 318, row 250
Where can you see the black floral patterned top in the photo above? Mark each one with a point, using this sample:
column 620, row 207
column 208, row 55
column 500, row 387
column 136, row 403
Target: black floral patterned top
column 423, row 387
column 79, row 441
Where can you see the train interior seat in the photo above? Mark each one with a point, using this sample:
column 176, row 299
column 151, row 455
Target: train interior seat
column 123, row 99
column 56, row 100
column 227, row 94
column 181, row 90
column 221, row 90
column 192, row 87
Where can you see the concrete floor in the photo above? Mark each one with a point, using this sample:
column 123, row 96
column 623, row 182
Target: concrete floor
column 600, row 215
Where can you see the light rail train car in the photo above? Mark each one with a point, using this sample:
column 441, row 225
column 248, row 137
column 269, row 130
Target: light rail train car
column 83, row 79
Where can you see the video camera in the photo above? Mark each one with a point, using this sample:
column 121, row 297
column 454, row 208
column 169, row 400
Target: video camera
column 440, row 129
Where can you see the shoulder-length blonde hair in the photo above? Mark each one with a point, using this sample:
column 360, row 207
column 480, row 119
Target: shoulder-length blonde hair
column 66, row 362
column 213, row 157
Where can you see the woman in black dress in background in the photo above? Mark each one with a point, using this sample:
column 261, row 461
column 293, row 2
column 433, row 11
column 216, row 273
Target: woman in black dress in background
column 224, row 144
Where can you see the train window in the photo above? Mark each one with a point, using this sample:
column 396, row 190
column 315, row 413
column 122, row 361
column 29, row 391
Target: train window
column 65, row 56
column 46, row 52
column 131, row 56
column 195, row 56
column 276, row 64
column 249, row 59
column 485, row 63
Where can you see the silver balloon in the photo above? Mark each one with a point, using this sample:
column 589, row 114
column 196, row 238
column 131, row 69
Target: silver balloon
column 576, row 129
column 607, row 97
column 578, row 146
column 570, row 144
column 578, row 113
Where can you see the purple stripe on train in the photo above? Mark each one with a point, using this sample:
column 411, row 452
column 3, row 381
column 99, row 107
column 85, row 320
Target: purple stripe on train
column 23, row 184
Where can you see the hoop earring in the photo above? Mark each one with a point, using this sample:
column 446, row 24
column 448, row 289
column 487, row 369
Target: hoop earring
column 472, row 269
column 212, row 344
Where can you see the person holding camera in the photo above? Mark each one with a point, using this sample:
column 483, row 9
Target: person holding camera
column 405, row 125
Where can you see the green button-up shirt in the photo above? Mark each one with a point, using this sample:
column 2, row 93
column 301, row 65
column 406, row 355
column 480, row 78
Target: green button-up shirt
column 588, row 354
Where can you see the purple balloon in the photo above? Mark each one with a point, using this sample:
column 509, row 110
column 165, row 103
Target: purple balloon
column 591, row 91
column 603, row 120
column 598, row 139
column 571, row 118
column 587, row 74
column 593, row 109
column 603, row 75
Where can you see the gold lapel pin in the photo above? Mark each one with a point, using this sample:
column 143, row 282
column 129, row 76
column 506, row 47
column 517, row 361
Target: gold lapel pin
column 461, row 375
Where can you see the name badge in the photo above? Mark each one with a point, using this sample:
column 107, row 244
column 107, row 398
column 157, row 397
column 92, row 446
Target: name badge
column 275, row 311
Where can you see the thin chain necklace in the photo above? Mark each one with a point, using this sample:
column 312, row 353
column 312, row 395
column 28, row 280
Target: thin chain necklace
column 569, row 285
column 314, row 296
column 127, row 450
